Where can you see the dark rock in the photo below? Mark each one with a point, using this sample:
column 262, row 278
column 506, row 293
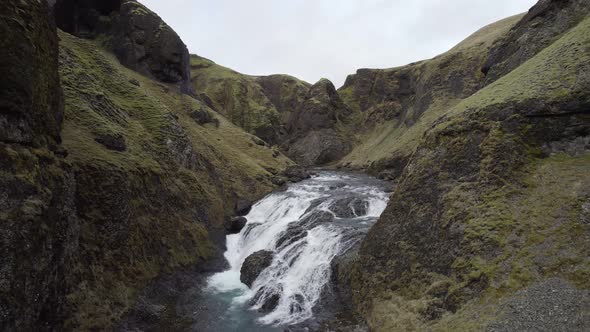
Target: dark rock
column 134, row 82
column 349, row 207
column 291, row 234
column 254, row 265
column 31, row 100
column 243, row 207
column 269, row 297
column 40, row 228
column 278, row 180
column 270, row 304
column 206, row 99
column 313, row 138
column 540, row 27
column 202, row 117
column 83, row 17
column 258, row 141
column 143, row 42
column 140, row 39
column 114, row 142
column 234, row 225
column 296, row 173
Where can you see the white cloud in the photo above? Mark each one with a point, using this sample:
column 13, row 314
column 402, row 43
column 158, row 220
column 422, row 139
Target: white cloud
column 311, row 39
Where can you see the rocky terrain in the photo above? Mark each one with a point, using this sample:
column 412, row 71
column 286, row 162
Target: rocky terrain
column 124, row 160
column 110, row 175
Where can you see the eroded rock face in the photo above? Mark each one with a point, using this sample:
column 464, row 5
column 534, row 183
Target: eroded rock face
column 234, row 225
column 313, row 137
column 540, row 27
column 254, row 265
column 141, row 40
column 31, row 109
column 37, row 187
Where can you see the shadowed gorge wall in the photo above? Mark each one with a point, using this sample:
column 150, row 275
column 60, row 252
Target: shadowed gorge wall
column 37, row 212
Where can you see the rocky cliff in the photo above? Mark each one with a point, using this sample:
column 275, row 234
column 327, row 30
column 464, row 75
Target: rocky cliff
column 116, row 181
column 304, row 121
column 38, row 241
column 492, row 193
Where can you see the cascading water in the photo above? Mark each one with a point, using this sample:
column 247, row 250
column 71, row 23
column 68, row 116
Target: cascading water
column 305, row 226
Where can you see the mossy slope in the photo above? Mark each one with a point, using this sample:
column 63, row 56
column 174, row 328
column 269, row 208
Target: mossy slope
column 494, row 197
column 154, row 180
column 395, row 106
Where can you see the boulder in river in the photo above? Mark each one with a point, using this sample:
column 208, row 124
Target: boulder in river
column 234, row 225
column 254, row 265
column 349, row 207
column 243, row 207
column 296, row 173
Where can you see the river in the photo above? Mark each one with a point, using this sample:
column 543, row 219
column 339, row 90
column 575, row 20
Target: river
column 306, row 226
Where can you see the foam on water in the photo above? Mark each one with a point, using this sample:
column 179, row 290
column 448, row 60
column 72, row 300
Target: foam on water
column 300, row 269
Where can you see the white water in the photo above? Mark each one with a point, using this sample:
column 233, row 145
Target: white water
column 301, row 265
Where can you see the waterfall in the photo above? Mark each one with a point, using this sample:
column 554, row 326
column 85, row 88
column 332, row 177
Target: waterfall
column 305, row 226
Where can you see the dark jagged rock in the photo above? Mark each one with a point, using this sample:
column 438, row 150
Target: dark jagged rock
column 254, row 265
column 349, row 207
column 202, row 117
column 540, row 27
column 31, row 100
column 296, row 173
column 271, row 299
column 83, row 17
column 243, row 207
column 285, row 92
column 39, row 235
column 234, row 225
column 313, row 138
column 139, row 37
column 142, row 41
column 114, row 142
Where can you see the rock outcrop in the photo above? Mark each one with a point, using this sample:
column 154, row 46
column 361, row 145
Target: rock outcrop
column 313, row 137
column 140, row 39
column 303, row 120
column 476, row 212
column 113, row 182
column 37, row 188
column 539, row 28
column 396, row 105
column 254, row 265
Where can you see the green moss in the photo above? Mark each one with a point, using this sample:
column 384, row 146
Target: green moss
column 174, row 181
column 399, row 137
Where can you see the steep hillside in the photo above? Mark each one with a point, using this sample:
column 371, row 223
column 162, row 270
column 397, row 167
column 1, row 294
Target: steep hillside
column 494, row 199
column 130, row 180
column 395, row 106
column 156, row 171
column 236, row 96
column 306, row 122
column 37, row 214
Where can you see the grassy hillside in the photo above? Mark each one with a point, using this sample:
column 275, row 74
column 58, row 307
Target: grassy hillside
column 236, row 96
column 397, row 105
column 156, row 173
column 494, row 199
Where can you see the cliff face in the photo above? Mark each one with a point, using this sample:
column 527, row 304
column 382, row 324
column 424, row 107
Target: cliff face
column 37, row 186
column 304, row 121
column 139, row 186
column 313, row 135
column 138, row 37
column 395, row 106
column 493, row 197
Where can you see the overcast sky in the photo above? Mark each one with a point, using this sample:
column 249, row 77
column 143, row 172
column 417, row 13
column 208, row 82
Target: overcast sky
column 311, row 39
